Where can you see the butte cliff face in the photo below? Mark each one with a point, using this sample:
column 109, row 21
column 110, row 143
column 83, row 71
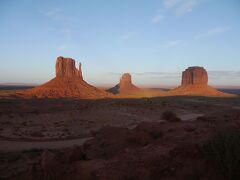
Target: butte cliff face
column 195, row 82
column 65, row 68
column 125, row 85
column 67, row 83
column 195, row 76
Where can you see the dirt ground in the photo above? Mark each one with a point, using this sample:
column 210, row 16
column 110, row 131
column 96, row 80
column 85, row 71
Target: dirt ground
column 30, row 126
column 59, row 119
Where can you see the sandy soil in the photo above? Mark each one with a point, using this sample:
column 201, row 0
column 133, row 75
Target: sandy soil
column 130, row 139
column 60, row 119
column 13, row 145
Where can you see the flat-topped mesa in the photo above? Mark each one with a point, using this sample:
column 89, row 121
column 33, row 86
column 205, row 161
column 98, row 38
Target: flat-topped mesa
column 195, row 76
column 65, row 68
column 195, row 83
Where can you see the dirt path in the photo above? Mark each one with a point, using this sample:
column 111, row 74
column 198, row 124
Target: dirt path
column 190, row 117
column 10, row 146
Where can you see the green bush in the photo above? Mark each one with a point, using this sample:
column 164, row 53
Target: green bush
column 223, row 150
column 34, row 152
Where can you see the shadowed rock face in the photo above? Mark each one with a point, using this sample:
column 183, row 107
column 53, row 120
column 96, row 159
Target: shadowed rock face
column 126, row 79
column 67, row 83
column 65, row 67
column 194, row 76
column 125, row 85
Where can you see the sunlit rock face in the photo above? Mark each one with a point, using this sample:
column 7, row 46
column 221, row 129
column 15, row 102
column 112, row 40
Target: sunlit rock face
column 65, row 68
column 195, row 76
column 68, row 83
column 125, row 85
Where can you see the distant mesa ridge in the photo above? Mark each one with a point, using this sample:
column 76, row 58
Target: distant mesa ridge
column 67, row 83
column 195, row 82
column 125, row 85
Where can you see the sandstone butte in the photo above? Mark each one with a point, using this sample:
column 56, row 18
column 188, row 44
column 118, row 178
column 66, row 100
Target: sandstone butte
column 195, row 83
column 67, row 83
column 124, row 86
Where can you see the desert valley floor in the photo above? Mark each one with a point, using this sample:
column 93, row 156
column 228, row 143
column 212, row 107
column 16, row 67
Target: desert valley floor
column 108, row 138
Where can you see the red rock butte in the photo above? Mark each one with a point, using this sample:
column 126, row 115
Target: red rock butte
column 67, row 83
column 195, row 82
column 194, row 76
column 125, row 85
column 65, row 68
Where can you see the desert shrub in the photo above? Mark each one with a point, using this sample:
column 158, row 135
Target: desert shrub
column 34, row 111
column 170, row 116
column 33, row 152
column 37, row 134
column 10, row 157
column 83, row 156
column 163, row 103
column 6, row 123
column 203, row 119
column 10, row 116
column 155, row 134
column 24, row 123
column 209, row 119
column 223, row 150
column 138, row 138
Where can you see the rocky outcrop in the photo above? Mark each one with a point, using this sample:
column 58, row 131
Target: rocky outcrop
column 65, row 68
column 194, row 76
column 195, row 83
column 126, row 79
column 124, row 86
column 67, row 83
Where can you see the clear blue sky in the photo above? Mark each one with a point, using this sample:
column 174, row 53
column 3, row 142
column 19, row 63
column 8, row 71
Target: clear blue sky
column 152, row 39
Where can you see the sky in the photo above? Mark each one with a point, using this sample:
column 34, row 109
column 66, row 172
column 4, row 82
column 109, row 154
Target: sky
column 154, row 40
